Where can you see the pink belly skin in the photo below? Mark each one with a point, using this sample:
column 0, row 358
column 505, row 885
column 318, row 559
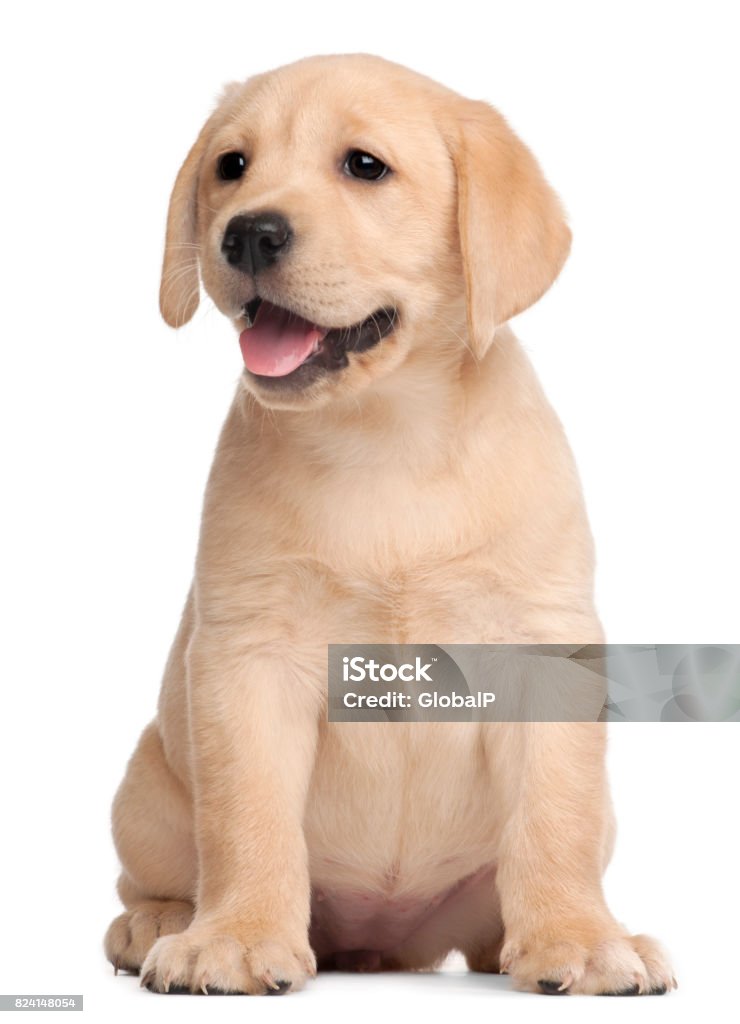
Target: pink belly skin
column 357, row 931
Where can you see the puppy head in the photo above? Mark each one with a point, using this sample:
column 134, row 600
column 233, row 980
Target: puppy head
column 345, row 212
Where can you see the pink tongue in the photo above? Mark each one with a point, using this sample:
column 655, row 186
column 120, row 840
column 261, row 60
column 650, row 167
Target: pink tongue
column 279, row 341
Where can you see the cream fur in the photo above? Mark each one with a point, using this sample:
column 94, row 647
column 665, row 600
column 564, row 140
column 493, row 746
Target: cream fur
column 424, row 494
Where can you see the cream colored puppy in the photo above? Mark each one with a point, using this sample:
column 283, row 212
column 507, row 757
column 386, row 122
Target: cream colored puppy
column 389, row 471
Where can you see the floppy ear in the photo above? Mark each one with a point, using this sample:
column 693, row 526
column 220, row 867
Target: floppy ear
column 179, row 290
column 513, row 234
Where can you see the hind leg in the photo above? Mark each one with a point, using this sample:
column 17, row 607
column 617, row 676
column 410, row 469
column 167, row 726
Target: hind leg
column 153, row 834
column 132, row 934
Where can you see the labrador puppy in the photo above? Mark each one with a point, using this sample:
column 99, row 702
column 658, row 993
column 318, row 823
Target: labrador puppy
column 389, row 472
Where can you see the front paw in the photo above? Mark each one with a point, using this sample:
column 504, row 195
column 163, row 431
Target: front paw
column 614, row 965
column 209, row 961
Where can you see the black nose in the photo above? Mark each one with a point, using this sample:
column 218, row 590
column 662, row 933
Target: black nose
column 254, row 241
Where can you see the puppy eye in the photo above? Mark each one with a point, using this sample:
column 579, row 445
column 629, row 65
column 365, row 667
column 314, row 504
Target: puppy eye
column 231, row 166
column 364, row 165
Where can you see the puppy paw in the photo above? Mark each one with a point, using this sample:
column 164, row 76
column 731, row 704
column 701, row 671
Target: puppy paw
column 131, row 935
column 205, row 961
column 617, row 965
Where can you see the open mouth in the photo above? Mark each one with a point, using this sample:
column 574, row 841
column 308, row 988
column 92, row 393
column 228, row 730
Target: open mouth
column 278, row 343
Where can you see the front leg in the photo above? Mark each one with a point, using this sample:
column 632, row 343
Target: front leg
column 559, row 934
column 253, row 733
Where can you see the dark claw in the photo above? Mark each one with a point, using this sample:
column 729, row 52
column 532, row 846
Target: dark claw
column 280, row 989
column 634, row 991
column 658, row 991
column 552, row 988
column 174, row 990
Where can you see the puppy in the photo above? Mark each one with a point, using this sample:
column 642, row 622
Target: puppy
column 389, row 472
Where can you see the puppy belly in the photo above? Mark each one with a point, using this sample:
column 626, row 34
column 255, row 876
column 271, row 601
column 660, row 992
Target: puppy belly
column 362, row 930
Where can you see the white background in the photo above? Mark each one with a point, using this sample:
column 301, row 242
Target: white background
column 109, row 420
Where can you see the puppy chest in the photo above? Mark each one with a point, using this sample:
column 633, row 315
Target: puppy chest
column 319, row 605
column 399, row 806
